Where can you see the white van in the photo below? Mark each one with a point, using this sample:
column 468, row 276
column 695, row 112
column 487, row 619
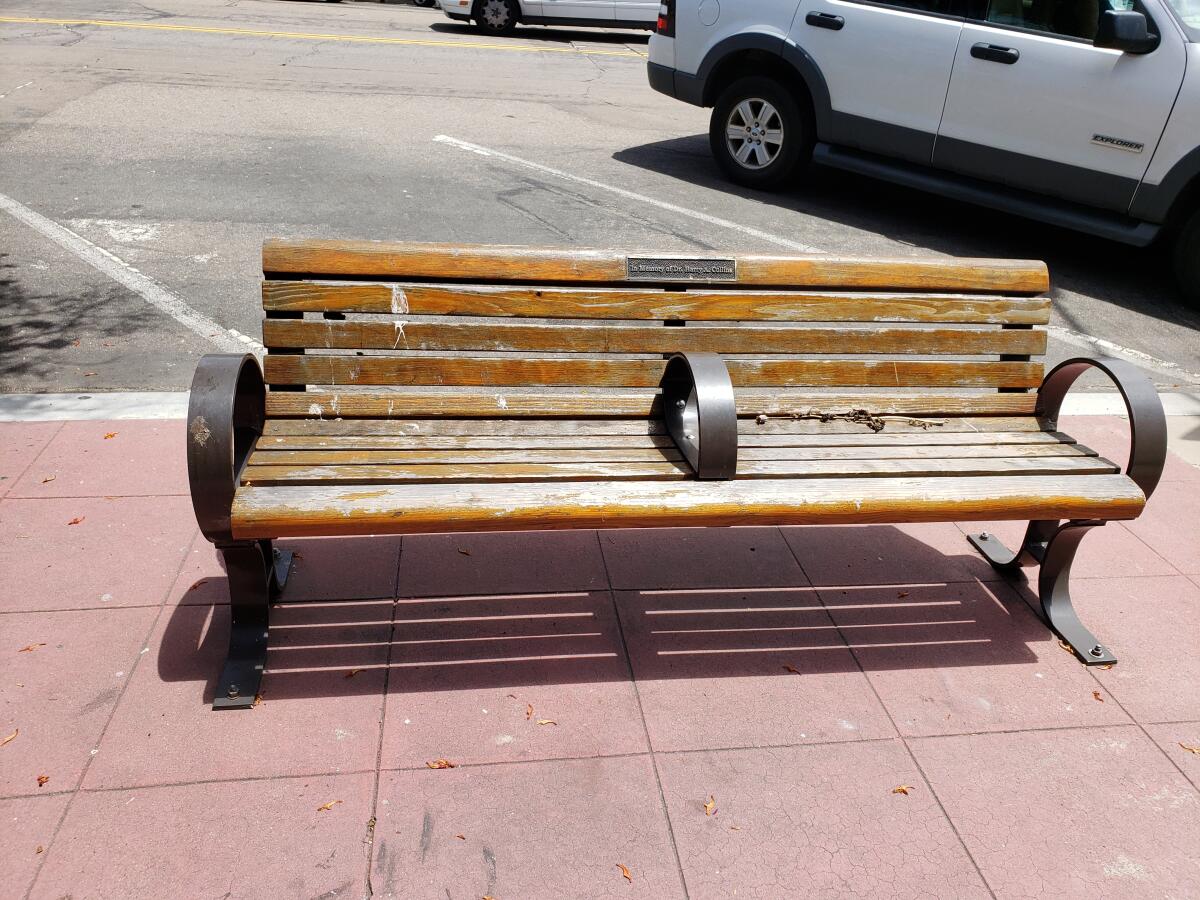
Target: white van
column 502, row 16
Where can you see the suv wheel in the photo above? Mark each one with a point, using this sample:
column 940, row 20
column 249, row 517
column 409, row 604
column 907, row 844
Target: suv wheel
column 758, row 132
column 496, row 16
column 1187, row 258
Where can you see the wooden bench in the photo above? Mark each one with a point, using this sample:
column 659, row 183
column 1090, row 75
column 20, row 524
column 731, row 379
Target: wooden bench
column 437, row 388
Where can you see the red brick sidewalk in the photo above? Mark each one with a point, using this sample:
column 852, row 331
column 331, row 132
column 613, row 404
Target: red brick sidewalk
column 594, row 692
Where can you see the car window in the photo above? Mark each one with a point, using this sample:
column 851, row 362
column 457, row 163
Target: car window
column 1188, row 11
column 1068, row 18
column 943, row 7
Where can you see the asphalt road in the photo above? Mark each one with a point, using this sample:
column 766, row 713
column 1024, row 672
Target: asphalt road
column 165, row 154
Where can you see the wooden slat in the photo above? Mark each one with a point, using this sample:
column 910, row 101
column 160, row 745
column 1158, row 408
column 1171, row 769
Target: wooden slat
column 471, row 371
column 648, row 303
column 380, row 259
column 587, row 338
column 894, row 427
column 648, row 441
column 651, row 455
column 286, row 511
column 468, row 473
column 626, row 403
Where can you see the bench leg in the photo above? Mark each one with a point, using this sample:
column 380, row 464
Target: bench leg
column 256, row 574
column 1053, row 547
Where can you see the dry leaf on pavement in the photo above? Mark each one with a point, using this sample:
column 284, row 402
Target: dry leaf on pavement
column 326, row 807
column 625, row 873
column 440, row 764
column 1186, row 747
column 1096, row 696
column 77, row 520
column 528, row 711
column 902, row 789
column 902, row 594
column 464, row 552
column 461, row 837
column 10, row 738
column 792, row 669
column 710, row 806
column 42, row 779
column 353, row 672
column 110, row 435
column 546, row 722
column 48, row 479
column 40, row 849
column 29, row 648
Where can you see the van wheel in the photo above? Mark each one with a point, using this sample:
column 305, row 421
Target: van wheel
column 496, row 16
column 1187, row 259
column 758, row 133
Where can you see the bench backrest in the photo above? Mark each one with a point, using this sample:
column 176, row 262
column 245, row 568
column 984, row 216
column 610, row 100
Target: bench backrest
column 410, row 330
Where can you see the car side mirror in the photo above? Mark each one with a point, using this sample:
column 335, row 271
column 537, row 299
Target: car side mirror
column 1125, row 30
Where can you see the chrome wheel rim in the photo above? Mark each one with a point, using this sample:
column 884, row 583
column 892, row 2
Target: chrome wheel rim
column 754, row 133
column 495, row 13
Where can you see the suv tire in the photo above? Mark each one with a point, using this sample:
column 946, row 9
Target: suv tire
column 496, row 16
column 758, row 133
column 1186, row 254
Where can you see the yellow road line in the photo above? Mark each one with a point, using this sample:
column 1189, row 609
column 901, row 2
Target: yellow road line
column 303, row 36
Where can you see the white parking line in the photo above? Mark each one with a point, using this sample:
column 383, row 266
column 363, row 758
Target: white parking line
column 1145, row 360
column 630, row 195
column 118, row 270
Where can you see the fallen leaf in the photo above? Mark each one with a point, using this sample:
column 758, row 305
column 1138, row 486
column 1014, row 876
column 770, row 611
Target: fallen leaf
column 42, row 779
column 902, row 789
column 258, row 700
column 734, row 828
column 1186, row 747
column 88, row 374
column 75, row 343
column 1096, row 696
column 461, row 837
column 10, row 738
column 48, row 479
column 1107, row 666
column 40, row 849
column 326, row 807
column 1064, row 645
column 352, row 673
column 110, row 435
column 902, row 594
column 792, row 669
column 440, row 764
column 77, row 520
column 464, row 552
column 546, row 722
column 528, row 711
column 29, row 648
column 710, row 806
column 625, row 873
column 514, row 696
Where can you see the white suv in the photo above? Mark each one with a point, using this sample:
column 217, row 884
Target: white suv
column 502, row 16
column 1082, row 113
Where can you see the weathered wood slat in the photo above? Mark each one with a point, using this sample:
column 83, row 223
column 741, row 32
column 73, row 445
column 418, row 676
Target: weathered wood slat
column 647, row 441
column 468, row 473
column 894, row 428
column 299, row 511
column 626, row 403
column 694, row 304
column 469, row 371
column 381, row 259
column 588, row 338
column 652, row 454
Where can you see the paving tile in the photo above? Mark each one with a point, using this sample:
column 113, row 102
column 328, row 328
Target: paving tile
column 715, row 669
column 1171, row 525
column 443, row 565
column 964, row 657
column 465, row 671
column 1153, row 627
column 538, row 830
column 58, row 695
column 245, row 839
column 1109, row 436
column 680, row 558
column 313, row 719
column 142, row 458
column 122, row 551
column 1110, row 551
column 812, row 822
column 1175, row 738
column 886, row 554
column 26, row 823
column 20, row 444
column 1073, row 813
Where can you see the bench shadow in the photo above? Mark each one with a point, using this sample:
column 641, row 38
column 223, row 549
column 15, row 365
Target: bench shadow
column 1132, row 277
column 318, row 648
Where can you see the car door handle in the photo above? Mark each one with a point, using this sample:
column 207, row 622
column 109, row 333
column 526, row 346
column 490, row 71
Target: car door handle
column 995, row 53
column 825, row 20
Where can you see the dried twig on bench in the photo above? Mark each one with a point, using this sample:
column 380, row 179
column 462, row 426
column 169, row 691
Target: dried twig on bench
column 859, row 416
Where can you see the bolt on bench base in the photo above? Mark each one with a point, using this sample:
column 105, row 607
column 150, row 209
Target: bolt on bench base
column 257, row 574
column 1052, row 547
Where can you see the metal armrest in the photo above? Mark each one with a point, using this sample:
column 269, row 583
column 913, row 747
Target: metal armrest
column 225, row 418
column 700, row 413
column 1147, row 423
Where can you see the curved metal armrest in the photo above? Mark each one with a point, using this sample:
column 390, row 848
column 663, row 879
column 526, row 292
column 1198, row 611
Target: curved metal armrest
column 699, row 410
column 225, row 418
column 1147, row 423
